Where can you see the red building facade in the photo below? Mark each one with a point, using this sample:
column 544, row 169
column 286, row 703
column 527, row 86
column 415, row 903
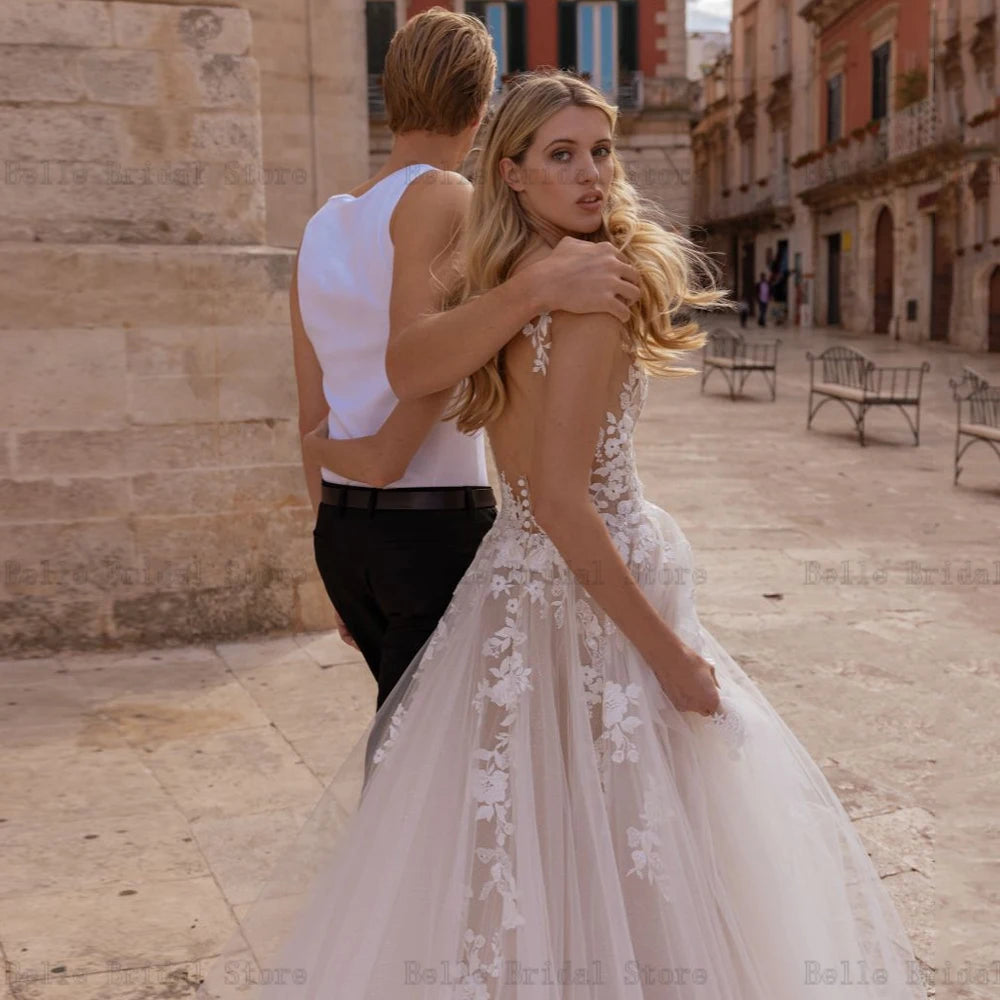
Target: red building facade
column 616, row 41
column 635, row 51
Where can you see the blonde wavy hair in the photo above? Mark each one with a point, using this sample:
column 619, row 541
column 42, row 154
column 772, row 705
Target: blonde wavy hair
column 675, row 276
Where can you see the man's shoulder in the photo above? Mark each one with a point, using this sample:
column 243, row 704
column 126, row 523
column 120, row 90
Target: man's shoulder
column 436, row 190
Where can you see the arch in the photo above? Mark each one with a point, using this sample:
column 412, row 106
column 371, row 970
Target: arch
column 993, row 314
column 884, row 271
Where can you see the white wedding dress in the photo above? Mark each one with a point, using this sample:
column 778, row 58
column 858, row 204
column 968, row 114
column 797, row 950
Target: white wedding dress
column 539, row 821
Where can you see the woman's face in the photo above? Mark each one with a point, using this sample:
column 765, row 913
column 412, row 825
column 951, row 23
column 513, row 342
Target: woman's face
column 565, row 173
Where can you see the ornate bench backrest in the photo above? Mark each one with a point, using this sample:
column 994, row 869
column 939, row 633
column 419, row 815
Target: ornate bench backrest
column 845, row 366
column 724, row 343
column 984, row 406
column 969, row 382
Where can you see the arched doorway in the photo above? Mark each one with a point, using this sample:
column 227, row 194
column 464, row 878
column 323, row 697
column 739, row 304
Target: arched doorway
column 883, row 271
column 994, row 328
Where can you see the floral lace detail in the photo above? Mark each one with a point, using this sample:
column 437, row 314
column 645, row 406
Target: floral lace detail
column 473, row 971
column 437, row 638
column 394, row 723
column 645, row 841
column 618, row 724
column 538, row 331
column 729, row 721
column 615, row 487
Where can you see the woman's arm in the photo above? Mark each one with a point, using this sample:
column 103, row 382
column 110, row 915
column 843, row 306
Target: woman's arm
column 383, row 457
column 377, row 459
column 584, row 349
column 430, row 350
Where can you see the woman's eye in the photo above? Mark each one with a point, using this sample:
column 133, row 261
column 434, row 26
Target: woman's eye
column 602, row 151
column 559, row 154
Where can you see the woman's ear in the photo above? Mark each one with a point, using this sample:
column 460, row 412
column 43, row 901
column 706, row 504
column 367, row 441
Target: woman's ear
column 511, row 173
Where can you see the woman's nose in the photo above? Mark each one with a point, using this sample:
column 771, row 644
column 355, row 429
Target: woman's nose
column 588, row 171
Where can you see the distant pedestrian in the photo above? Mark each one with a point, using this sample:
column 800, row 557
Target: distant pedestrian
column 763, row 297
column 744, row 308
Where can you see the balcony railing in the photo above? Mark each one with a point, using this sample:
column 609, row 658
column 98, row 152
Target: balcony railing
column 630, row 91
column 917, row 127
column 745, row 200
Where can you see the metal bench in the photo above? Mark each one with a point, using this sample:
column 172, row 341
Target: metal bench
column 738, row 357
column 980, row 420
column 855, row 381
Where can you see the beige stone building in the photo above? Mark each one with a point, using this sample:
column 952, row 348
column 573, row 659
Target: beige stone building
column 752, row 128
column 880, row 166
column 901, row 179
column 159, row 161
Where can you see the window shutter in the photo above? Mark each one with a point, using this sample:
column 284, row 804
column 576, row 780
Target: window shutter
column 380, row 25
column 517, row 38
column 880, row 81
column 567, row 35
column 628, row 36
column 833, row 107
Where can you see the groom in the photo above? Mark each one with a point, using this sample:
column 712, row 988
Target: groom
column 390, row 557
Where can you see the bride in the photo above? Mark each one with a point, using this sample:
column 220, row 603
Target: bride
column 574, row 790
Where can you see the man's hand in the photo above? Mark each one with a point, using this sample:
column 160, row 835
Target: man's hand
column 311, row 442
column 582, row 277
column 342, row 630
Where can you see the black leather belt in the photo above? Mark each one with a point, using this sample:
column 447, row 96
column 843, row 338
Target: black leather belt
column 407, row 498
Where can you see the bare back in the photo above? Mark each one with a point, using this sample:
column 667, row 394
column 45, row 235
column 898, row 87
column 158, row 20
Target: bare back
column 514, row 434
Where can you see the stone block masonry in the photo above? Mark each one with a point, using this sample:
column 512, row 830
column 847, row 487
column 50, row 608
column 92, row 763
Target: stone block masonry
column 151, row 490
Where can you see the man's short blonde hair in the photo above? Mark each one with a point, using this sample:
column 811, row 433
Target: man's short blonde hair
column 439, row 72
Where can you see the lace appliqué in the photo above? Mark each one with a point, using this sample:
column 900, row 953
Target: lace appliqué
column 538, row 331
column 511, row 678
column 438, row 636
column 729, row 721
column 645, row 841
column 615, row 487
column 394, row 724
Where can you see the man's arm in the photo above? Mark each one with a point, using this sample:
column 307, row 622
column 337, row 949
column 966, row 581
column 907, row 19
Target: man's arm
column 309, row 384
column 430, row 350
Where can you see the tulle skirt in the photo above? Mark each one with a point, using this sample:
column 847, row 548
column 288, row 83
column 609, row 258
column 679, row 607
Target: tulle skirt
column 528, row 817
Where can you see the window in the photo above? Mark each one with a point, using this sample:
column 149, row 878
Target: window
column 380, row 26
column 834, row 107
column 981, row 207
column 600, row 39
column 781, row 40
column 506, row 24
column 880, row 81
column 749, row 60
column 747, row 156
column 597, row 43
column 951, row 19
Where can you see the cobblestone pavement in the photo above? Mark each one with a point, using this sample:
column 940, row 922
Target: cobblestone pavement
column 146, row 793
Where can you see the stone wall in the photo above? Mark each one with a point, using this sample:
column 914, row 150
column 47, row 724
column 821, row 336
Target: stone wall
column 151, row 490
column 129, row 122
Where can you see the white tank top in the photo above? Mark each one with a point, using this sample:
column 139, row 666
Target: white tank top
column 344, row 281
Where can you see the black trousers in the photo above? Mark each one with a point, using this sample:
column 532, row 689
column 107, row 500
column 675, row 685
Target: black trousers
column 390, row 575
